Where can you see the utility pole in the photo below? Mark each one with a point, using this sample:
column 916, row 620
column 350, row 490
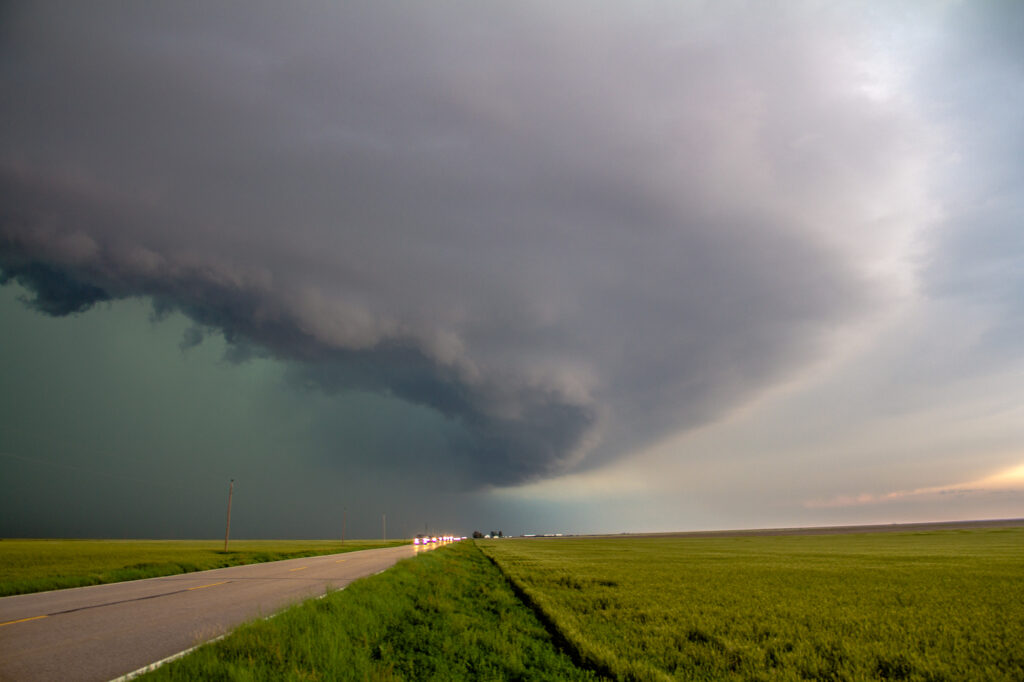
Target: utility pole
column 227, row 531
column 344, row 515
column 384, row 526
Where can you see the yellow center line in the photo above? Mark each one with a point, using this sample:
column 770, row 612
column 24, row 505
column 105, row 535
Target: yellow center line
column 297, row 569
column 12, row 622
column 210, row 585
column 340, row 560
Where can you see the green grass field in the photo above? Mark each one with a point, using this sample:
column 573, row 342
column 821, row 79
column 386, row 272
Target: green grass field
column 447, row 614
column 941, row 605
column 37, row 565
column 936, row 605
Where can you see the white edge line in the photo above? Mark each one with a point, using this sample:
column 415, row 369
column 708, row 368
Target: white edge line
column 173, row 657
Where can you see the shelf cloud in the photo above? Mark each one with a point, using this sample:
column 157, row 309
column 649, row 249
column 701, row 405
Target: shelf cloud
column 568, row 231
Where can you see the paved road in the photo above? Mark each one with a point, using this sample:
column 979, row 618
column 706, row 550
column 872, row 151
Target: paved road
column 105, row 631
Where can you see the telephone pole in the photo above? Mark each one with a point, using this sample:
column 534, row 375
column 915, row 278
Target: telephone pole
column 344, row 515
column 227, row 531
column 384, row 526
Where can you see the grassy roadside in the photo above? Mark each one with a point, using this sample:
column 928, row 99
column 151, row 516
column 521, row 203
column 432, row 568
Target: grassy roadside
column 918, row 606
column 38, row 565
column 447, row 614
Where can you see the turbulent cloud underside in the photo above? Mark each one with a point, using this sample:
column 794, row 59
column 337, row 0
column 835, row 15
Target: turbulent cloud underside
column 568, row 238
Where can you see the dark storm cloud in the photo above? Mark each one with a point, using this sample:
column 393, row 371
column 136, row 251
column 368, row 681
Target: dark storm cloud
column 568, row 231
column 56, row 292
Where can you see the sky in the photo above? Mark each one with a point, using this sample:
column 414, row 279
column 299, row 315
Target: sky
column 537, row 267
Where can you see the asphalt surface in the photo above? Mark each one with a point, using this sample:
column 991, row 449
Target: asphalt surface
column 106, row 631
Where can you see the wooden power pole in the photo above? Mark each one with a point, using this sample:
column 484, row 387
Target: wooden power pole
column 227, row 531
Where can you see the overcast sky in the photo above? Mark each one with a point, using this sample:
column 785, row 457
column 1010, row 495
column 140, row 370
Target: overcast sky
column 542, row 267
